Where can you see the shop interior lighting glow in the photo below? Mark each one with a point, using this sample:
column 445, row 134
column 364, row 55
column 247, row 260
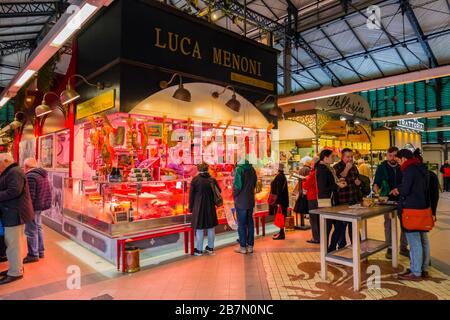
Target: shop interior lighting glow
column 73, row 24
column 24, row 77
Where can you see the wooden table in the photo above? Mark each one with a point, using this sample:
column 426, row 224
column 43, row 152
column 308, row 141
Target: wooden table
column 361, row 248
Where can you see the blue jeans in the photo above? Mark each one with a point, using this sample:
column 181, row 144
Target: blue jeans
column 246, row 227
column 199, row 234
column 35, row 238
column 419, row 251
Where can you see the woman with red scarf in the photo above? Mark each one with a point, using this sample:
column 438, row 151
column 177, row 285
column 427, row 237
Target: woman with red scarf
column 414, row 194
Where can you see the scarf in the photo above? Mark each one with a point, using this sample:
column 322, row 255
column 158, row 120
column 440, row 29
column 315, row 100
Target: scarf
column 409, row 162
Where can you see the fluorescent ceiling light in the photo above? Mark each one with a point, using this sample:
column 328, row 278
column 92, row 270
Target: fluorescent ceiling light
column 321, row 97
column 24, row 77
column 3, row 101
column 73, row 24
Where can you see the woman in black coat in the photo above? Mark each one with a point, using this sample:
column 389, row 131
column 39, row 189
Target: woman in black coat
column 203, row 208
column 279, row 187
column 327, row 186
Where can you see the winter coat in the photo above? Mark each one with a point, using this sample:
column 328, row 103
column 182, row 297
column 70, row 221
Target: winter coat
column 414, row 187
column 244, row 185
column 326, row 183
column 15, row 201
column 201, row 202
column 389, row 176
column 40, row 189
column 309, row 185
column 279, row 187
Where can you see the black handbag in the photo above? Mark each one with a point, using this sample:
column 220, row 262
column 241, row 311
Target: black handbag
column 301, row 204
column 218, row 200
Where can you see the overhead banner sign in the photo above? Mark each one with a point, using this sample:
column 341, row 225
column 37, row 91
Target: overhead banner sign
column 159, row 36
column 98, row 104
column 350, row 105
column 412, row 124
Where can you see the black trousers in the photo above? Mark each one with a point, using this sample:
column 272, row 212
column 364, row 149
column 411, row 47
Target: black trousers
column 447, row 184
column 2, row 247
column 314, row 220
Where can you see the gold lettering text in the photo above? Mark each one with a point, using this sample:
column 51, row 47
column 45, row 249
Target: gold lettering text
column 252, row 67
column 244, row 64
column 217, row 56
column 196, row 51
column 182, row 47
column 236, row 59
column 226, row 59
column 157, row 42
column 173, row 44
column 259, row 69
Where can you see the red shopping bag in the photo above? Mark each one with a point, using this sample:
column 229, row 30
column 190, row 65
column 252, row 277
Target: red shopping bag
column 279, row 218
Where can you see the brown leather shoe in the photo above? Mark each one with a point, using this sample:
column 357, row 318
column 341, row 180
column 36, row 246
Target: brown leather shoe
column 425, row 274
column 409, row 276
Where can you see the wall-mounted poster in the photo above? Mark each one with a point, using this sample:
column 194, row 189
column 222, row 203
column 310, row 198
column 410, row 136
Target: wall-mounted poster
column 62, row 150
column 46, row 151
column 27, row 149
column 55, row 213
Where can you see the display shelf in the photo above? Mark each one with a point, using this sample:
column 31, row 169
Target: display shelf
column 368, row 247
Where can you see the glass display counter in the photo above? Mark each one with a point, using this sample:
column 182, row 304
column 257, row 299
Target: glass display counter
column 97, row 213
column 123, row 208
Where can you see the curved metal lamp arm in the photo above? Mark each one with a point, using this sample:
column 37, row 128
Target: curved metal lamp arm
column 164, row 84
column 47, row 93
column 216, row 94
column 258, row 103
column 99, row 85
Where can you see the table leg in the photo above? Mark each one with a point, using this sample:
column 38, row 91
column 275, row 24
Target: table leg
column 394, row 237
column 118, row 254
column 257, row 225
column 122, row 249
column 356, row 256
column 263, row 220
column 364, row 230
column 192, row 241
column 323, row 248
column 186, row 241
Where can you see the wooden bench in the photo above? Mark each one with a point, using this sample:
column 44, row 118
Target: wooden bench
column 185, row 228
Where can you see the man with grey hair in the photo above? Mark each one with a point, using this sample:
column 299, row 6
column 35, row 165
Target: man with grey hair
column 41, row 198
column 16, row 209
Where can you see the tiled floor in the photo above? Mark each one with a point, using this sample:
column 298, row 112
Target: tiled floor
column 277, row 270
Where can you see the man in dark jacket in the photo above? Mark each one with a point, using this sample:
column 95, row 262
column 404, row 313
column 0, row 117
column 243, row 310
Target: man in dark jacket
column 16, row 209
column 244, row 185
column 387, row 179
column 41, row 198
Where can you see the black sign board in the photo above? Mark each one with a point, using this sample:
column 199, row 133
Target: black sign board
column 160, row 36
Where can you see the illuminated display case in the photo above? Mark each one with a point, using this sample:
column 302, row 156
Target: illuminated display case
column 123, row 208
column 118, row 209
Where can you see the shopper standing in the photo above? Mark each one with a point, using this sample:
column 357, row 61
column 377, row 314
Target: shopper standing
column 351, row 194
column 388, row 177
column 279, row 188
column 445, row 170
column 41, row 198
column 16, row 209
column 364, row 168
column 244, row 185
column 414, row 194
column 327, row 187
column 203, row 208
column 310, row 188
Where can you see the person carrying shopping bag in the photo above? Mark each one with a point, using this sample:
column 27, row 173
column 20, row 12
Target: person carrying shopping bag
column 279, row 196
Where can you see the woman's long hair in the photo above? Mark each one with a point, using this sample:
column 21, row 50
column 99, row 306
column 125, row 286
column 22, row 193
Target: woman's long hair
column 325, row 153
